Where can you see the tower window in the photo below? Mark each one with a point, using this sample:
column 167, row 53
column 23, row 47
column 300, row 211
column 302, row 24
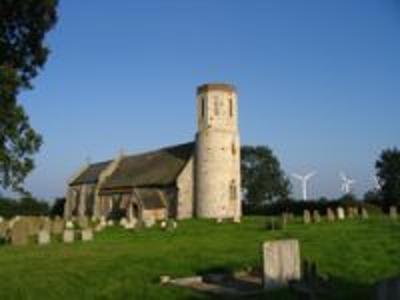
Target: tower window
column 231, row 107
column 216, row 106
column 233, row 190
column 202, row 107
column 233, row 149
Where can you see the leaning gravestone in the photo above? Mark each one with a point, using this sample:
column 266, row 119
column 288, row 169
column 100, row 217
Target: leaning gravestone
column 330, row 215
column 340, row 213
column 306, row 217
column 68, row 236
column 19, row 234
column 43, row 237
column 316, row 216
column 388, row 289
column 393, row 212
column 281, row 263
column 87, row 235
column 364, row 213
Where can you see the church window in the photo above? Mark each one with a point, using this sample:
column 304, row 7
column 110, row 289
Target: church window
column 233, row 190
column 231, row 107
column 233, row 149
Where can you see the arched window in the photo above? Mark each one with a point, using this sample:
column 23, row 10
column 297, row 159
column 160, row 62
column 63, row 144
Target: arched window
column 233, row 190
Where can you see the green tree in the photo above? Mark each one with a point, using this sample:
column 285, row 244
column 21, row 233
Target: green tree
column 23, row 26
column 388, row 172
column 262, row 177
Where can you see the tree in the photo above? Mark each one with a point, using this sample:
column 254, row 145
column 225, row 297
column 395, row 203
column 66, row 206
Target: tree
column 388, row 172
column 58, row 207
column 23, row 26
column 262, row 177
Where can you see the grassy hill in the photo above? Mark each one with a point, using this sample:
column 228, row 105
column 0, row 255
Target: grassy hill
column 126, row 265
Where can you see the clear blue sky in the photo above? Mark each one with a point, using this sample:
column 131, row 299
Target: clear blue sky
column 319, row 82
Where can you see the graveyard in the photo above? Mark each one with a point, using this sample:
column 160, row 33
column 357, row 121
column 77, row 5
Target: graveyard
column 353, row 254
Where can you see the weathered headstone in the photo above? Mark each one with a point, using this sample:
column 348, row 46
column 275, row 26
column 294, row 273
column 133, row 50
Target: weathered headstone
column 349, row 211
column 364, row 213
column 68, row 236
column 69, row 225
column 149, row 222
column 219, row 220
column 131, row 224
column 87, row 235
column 163, row 225
column 3, row 231
column 57, row 226
column 123, row 222
column 388, row 289
column 110, row 223
column 43, row 237
column 330, row 215
column 281, row 263
column 306, row 216
column 316, row 216
column 45, row 224
column 1, row 219
column 393, row 212
column 237, row 220
column 19, row 234
column 340, row 213
column 355, row 212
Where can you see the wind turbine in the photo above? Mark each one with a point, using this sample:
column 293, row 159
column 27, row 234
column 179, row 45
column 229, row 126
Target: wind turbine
column 304, row 180
column 347, row 183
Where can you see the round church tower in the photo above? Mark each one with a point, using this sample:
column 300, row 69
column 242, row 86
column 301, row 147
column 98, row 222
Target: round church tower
column 217, row 159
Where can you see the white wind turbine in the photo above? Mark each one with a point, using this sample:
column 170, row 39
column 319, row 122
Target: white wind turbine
column 347, row 183
column 304, row 180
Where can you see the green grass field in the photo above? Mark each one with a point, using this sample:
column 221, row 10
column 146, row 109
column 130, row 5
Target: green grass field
column 126, row 265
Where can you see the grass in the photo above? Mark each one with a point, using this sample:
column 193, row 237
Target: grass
column 126, row 265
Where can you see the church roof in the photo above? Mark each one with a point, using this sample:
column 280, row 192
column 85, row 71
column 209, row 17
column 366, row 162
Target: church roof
column 91, row 173
column 155, row 168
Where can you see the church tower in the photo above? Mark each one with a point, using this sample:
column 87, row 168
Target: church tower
column 217, row 159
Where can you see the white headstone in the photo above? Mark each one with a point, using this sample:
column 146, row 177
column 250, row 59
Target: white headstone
column 149, row 222
column 69, row 225
column 87, row 235
column 281, row 260
column 110, row 223
column 123, row 222
column 1, row 219
column 68, row 236
column 43, row 237
column 340, row 213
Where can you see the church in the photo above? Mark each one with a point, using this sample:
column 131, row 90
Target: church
column 197, row 179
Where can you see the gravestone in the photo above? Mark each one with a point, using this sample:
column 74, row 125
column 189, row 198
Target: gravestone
column 340, row 213
column 131, row 224
column 316, row 216
column 388, row 289
column 57, row 226
column 306, row 216
column 1, row 219
column 68, row 236
column 110, row 223
column 69, row 225
column 3, row 230
column 19, row 233
column 123, row 222
column 393, row 212
column 330, row 215
column 45, row 224
column 281, row 263
column 87, row 235
column 149, row 222
column 237, row 220
column 350, row 214
column 219, row 220
column 355, row 212
column 364, row 213
column 43, row 237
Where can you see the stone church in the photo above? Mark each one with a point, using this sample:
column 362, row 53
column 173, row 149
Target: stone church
column 197, row 179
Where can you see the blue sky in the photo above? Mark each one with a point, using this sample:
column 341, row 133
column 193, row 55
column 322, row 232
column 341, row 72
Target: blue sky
column 319, row 82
